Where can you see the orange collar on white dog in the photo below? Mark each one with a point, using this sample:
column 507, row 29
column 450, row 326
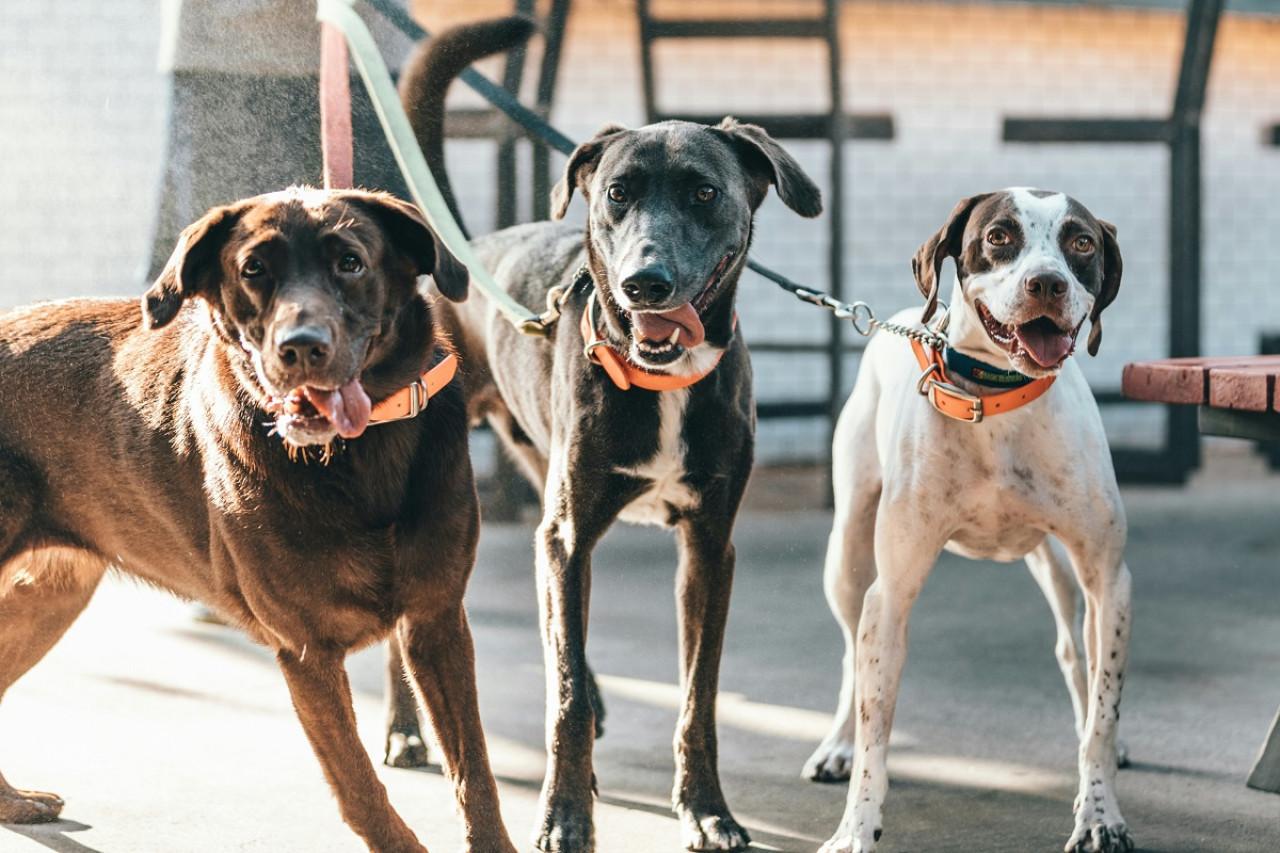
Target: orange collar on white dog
column 961, row 405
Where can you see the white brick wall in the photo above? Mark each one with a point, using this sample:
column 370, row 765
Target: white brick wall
column 81, row 134
column 82, row 128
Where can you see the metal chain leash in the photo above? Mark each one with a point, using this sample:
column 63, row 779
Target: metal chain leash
column 864, row 319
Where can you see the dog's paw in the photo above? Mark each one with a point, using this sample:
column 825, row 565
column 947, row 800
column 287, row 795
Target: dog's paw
column 29, row 806
column 565, row 830
column 842, row 843
column 711, row 831
column 1100, row 838
column 830, row 762
column 405, row 750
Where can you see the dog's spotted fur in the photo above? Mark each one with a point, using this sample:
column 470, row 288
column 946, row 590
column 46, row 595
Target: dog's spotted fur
column 1035, row 483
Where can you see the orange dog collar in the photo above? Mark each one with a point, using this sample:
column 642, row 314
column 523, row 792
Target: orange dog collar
column 409, row 401
column 625, row 374
column 956, row 403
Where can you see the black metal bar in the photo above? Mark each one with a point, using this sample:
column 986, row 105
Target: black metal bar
column 646, row 59
column 505, row 214
column 792, row 409
column 1197, row 54
column 1269, row 344
column 1185, row 213
column 1272, row 135
column 799, row 125
column 835, row 212
column 812, row 347
column 726, row 28
column 1155, row 467
column 490, row 91
column 1181, row 133
column 1254, row 426
column 553, row 38
column 1137, row 130
column 548, row 77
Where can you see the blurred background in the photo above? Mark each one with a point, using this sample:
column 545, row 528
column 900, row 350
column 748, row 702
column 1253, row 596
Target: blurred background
column 936, row 101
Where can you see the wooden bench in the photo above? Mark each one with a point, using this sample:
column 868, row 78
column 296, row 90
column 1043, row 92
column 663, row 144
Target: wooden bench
column 1238, row 399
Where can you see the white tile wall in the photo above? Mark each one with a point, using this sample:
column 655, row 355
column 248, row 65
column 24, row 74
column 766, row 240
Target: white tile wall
column 82, row 115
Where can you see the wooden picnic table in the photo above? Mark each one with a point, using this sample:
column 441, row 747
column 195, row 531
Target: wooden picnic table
column 1237, row 398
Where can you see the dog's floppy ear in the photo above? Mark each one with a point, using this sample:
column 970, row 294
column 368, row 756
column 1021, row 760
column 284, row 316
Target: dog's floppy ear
column 1112, row 269
column 193, row 260
column 768, row 160
column 582, row 163
column 409, row 233
column 926, row 265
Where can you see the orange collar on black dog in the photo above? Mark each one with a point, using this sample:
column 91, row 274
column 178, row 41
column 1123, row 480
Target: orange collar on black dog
column 625, row 374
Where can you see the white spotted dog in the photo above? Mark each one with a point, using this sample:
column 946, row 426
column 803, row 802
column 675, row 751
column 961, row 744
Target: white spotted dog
column 995, row 452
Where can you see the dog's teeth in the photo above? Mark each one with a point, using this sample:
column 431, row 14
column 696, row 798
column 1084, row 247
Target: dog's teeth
column 675, row 337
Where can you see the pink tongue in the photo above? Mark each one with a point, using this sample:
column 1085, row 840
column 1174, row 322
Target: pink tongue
column 347, row 408
column 1046, row 348
column 657, row 327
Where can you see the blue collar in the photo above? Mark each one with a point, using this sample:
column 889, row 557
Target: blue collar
column 959, row 364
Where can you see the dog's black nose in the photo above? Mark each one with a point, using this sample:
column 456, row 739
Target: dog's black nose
column 305, row 346
column 649, row 285
column 1045, row 284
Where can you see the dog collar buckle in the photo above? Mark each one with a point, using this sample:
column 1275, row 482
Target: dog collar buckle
column 412, row 400
column 418, row 398
column 952, row 401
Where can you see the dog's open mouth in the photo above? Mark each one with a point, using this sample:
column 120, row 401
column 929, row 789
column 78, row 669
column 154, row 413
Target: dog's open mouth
column 1040, row 340
column 309, row 410
column 662, row 336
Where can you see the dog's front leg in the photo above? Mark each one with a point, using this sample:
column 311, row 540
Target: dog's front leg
column 703, row 587
column 404, row 745
column 906, row 547
column 1108, row 615
column 321, row 695
column 439, row 654
column 563, row 554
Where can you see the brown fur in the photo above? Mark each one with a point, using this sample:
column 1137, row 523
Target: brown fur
column 140, row 440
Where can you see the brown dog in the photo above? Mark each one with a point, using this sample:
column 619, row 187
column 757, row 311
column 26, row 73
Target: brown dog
column 141, row 440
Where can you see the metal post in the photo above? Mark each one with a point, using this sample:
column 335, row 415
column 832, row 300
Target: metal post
column 835, row 212
column 1185, row 214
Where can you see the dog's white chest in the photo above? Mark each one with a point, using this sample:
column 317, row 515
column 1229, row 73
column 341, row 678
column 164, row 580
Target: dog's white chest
column 665, row 470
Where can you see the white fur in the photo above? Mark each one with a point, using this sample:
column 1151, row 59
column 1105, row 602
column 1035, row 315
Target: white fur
column 698, row 361
column 665, row 470
column 1001, row 289
column 1035, row 483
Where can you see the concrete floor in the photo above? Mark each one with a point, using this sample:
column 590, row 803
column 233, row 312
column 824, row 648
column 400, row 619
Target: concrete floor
column 167, row 735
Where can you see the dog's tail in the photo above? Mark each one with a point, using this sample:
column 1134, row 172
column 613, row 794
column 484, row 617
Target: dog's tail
column 433, row 66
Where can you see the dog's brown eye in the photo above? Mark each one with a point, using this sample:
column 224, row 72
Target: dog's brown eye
column 705, row 194
column 998, row 237
column 617, row 194
column 1083, row 244
column 253, row 268
column 350, row 262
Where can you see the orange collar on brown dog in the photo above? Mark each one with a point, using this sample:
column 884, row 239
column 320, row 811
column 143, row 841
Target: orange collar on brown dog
column 961, row 405
column 409, row 401
column 625, row 374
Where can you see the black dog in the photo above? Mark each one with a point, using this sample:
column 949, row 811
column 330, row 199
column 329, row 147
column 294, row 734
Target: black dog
column 653, row 423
